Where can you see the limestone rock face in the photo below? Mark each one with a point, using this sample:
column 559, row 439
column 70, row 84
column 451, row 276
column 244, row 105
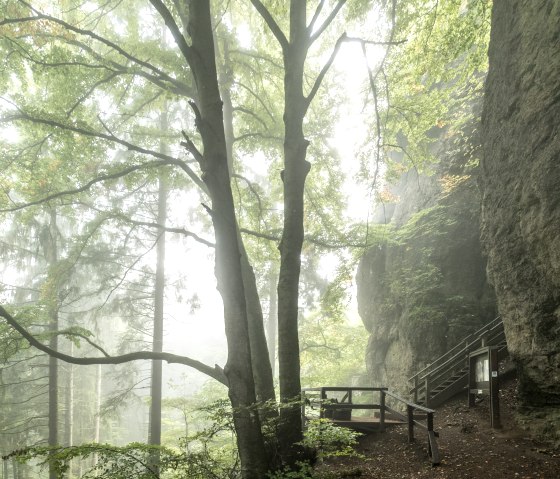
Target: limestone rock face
column 419, row 295
column 520, row 180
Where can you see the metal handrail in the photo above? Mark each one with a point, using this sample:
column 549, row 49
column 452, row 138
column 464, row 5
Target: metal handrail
column 444, row 366
column 471, row 338
column 459, row 355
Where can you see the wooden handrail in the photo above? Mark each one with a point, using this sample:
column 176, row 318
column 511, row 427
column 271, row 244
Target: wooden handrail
column 409, row 403
column 325, row 405
column 433, row 450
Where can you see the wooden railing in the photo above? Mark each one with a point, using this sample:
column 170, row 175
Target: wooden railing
column 413, row 420
column 318, row 399
column 450, row 370
column 328, row 407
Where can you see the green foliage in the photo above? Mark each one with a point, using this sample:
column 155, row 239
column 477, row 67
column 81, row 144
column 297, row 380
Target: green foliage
column 332, row 352
column 204, row 455
column 303, row 471
column 327, row 440
column 330, row 440
column 430, row 82
column 113, row 462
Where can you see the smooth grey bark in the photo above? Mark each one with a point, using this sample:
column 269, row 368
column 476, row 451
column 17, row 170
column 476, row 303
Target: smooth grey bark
column 296, row 169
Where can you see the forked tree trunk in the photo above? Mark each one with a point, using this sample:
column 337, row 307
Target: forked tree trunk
column 262, row 369
column 229, row 276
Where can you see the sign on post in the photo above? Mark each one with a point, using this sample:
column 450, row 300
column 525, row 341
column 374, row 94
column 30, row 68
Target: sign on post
column 484, row 379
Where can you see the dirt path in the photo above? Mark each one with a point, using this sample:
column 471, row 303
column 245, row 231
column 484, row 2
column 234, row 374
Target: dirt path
column 469, row 448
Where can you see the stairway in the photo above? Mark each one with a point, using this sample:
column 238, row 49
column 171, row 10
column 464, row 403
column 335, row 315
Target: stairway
column 448, row 374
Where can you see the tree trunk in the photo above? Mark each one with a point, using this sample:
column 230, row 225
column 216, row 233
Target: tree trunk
column 272, row 323
column 154, row 435
column 97, row 425
column 69, row 420
column 295, row 172
column 69, row 423
column 229, row 277
column 51, row 255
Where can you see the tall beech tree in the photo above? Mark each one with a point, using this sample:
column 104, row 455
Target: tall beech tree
column 295, row 47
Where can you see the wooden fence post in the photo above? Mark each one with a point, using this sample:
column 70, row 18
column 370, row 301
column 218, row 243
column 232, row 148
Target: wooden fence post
column 428, row 392
column 430, row 421
column 382, row 410
column 410, row 417
column 321, row 403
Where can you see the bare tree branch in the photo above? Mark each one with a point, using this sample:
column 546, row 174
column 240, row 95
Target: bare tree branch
column 80, row 31
column 273, row 236
column 324, row 71
column 252, row 188
column 373, row 86
column 89, row 184
column 70, row 332
column 257, row 97
column 374, row 42
column 327, row 21
column 174, row 29
column 274, row 28
column 214, row 372
column 111, row 138
column 90, row 91
column 191, row 148
column 252, row 114
column 315, row 16
column 167, row 229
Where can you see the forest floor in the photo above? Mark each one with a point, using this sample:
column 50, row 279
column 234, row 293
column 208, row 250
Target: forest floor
column 469, row 448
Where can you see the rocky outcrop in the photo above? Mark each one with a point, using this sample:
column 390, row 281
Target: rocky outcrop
column 422, row 291
column 521, row 195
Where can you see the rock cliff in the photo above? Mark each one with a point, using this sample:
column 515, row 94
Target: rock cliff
column 423, row 290
column 521, row 196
